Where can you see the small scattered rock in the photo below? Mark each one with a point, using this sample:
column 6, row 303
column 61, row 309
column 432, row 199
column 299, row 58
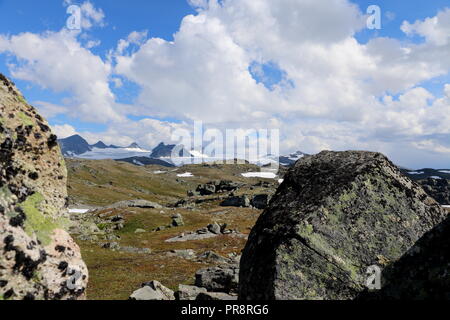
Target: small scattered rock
column 214, row 228
column 111, row 246
column 215, row 296
column 186, row 293
column 153, row 291
column 144, row 204
column 260, row 201
column 135, row 250
column 219, row 279
column 177, row 220
column 236, row 201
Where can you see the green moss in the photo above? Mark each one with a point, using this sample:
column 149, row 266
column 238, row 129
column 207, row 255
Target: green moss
column 22, row 99
column 103, row 226
column 37, row 278
column 25, row 119
column 36, row 222
column 62, row 162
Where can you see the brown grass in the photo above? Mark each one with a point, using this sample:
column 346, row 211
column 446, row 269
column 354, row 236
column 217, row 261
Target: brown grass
column 115, row 275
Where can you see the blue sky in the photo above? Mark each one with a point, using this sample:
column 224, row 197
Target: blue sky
column 258, row 80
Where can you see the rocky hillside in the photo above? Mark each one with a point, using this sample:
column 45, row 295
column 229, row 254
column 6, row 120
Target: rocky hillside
column 38, row 258
column 335, row 215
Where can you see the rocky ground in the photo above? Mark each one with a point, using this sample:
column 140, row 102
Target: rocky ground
column 178, row 228
column 185, row 231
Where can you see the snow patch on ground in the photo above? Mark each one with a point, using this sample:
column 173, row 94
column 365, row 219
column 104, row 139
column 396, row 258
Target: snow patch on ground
column 265, row 175
column 78, row 210
column 444, row 171
column 185, row 175
column 436, row 177
column 415, row 172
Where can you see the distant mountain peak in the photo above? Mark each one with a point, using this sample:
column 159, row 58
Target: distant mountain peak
column 74, row 145
column 165, row 151
column 292, row 158
column 100, row 145
column 134, row 145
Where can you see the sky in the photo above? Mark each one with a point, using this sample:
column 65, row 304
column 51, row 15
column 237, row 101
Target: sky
column 138, row 70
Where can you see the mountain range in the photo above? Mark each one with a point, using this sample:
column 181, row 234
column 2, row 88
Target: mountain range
column 77, row 147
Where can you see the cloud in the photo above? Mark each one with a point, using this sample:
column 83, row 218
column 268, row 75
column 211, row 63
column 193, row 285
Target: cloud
column 57, row 61
column 50, row 110
column 146, row 132
column 435, row 30
column 341, row 94
column 64, row 131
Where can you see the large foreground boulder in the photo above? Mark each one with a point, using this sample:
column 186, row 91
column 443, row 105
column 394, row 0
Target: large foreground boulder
column 38, row 258
column 335, row 215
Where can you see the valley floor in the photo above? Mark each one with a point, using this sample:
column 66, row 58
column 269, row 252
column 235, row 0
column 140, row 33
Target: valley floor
column 115, row 274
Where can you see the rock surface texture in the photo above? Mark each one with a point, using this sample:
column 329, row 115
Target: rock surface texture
column 335, row 215
column 38, row 258
column 423, row 273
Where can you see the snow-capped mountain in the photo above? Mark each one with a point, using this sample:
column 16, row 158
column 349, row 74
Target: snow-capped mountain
column 165, row 151
column 427, row 173
column 77, row 147
column 74, row 145
column 291, row 159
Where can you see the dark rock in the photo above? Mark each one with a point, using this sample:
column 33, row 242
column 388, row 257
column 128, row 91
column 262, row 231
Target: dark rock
column 206, row 189
column 439, row 189
column 422, row 273
column 220, row 279
column 236, row 201
column 335, row 215
column 260, row 201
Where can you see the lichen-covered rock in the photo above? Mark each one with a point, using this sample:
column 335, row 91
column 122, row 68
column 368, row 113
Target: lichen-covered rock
column 38, row 258
column 335, row 215
column 422, row 273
